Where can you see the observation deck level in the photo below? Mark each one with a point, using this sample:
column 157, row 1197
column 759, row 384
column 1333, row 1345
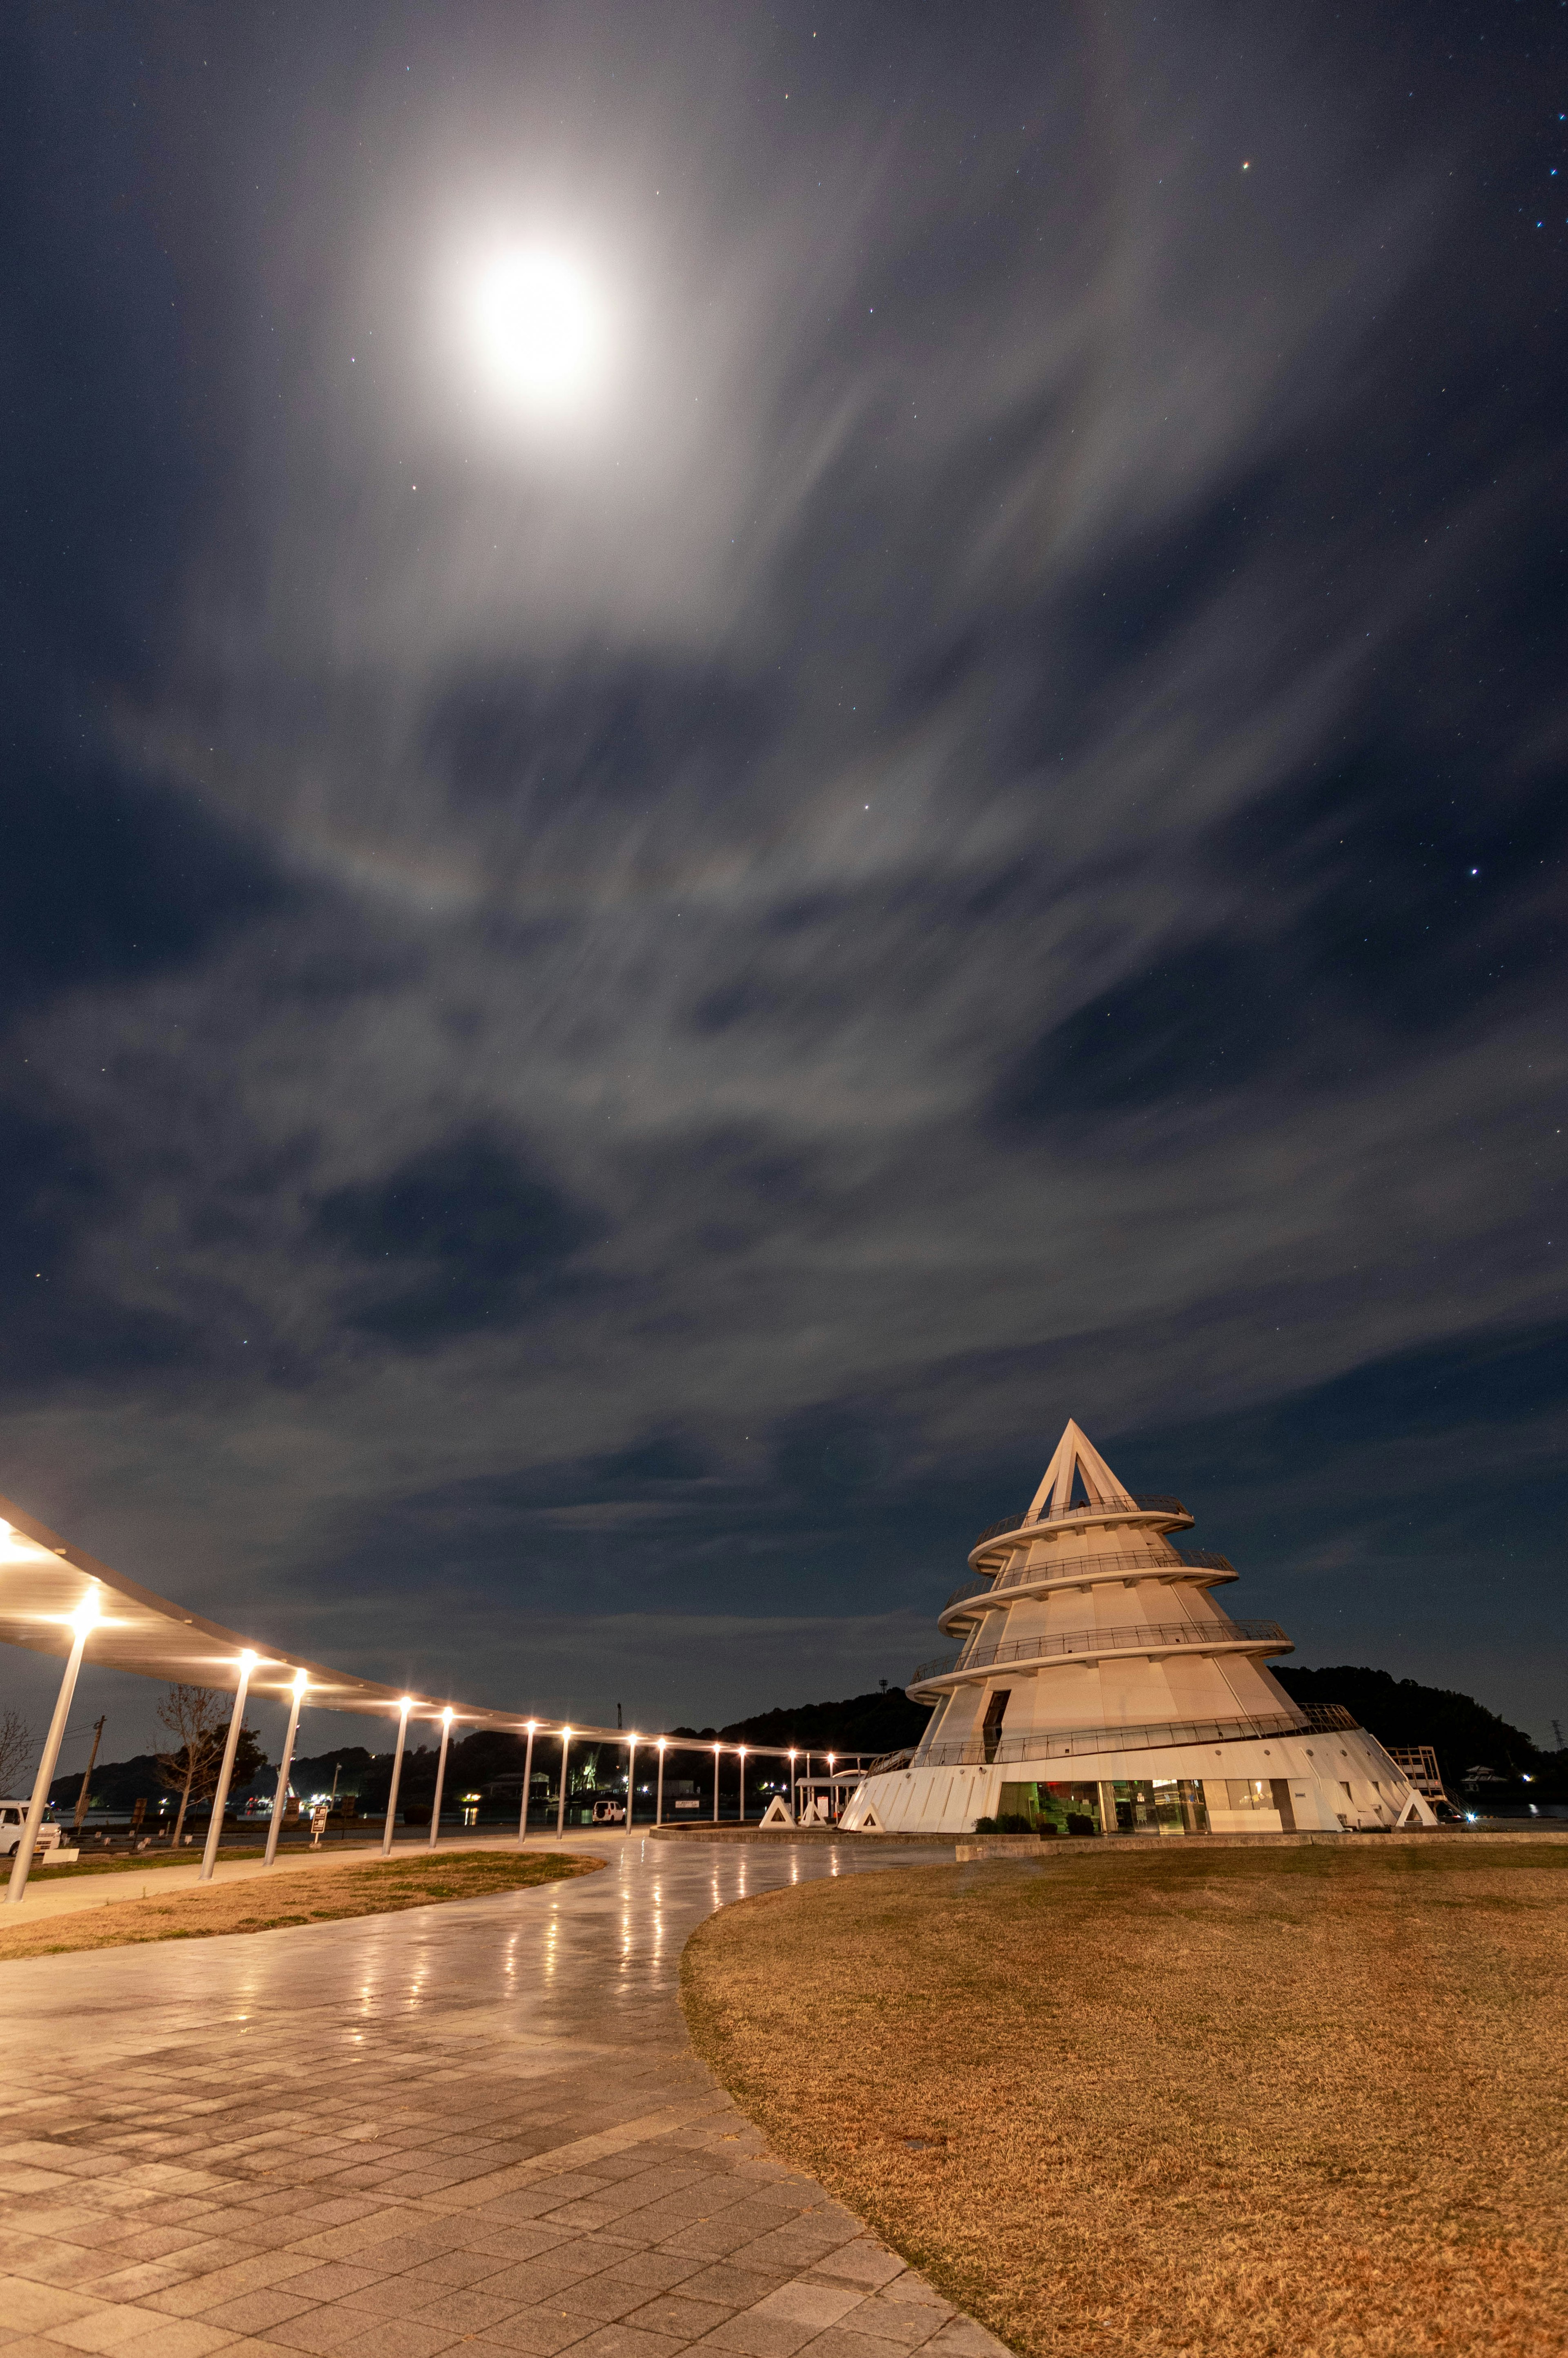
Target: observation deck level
column 1153, row 1514
column 993, row 1593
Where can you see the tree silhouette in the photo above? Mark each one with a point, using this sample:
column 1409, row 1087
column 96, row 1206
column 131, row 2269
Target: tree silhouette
column 191, row 1715
column 16, row 1750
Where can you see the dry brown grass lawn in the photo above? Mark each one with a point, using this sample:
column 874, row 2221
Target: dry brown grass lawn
column 1211, row 2105
column 262, row 1903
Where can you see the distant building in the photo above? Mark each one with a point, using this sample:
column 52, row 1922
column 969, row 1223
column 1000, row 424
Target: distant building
column 1098, row 1689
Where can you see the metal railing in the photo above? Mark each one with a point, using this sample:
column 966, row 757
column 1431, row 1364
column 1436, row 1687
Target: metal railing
column 1327, row 1717
column 1156, row 1635
column 1317, row 1718
column 982, row 1583
column 978, row 1751
column 1156, row 1504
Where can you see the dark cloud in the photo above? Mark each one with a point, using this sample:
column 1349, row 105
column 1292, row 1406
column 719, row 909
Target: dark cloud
column 462, row 1236
column 109, row 880
column 61, row 1320
column 607, row 1029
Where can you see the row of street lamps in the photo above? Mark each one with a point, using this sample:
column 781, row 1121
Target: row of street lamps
column 85, row 1620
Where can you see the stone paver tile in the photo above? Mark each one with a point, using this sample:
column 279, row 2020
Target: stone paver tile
column 39, row 2216
column 389, row 2297
column 715, row 2239
column 140, row 2242
column 964, row 2338
column 735, row 2288
column 815, row 2305
column 255, row 2274
column 862, row 2262
column 171, row 2338
column 455, row 2269
column 790, row 2252
column 406, row 2337
column 465, row 2308
column 23, row 2178
column 654, row 2271
column 585, row 2217
column 29, row 2345
column 168, row 2177
column 42, row 2260
column 334, row 2279
column 601, row 2296
column 145, row 2277
column 364, row 2234
column 34, row 2308
column 532, row 2240
column 903, row 2325
column 338, row 2210
column 672, row 2313
column 323, row 2332
column 755, row 2336
column 397, row 2252
column 538, row 2332
column 628, row 2342
column 105, row 2330
column 845, row 2341
column 252, row 2312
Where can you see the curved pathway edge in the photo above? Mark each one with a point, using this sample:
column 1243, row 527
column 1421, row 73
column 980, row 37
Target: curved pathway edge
column 478, row 2126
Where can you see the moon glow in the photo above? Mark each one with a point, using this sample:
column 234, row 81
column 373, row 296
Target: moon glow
column 540, row 330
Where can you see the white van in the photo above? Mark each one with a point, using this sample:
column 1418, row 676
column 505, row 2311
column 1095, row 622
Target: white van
column 610, row 1814
column 13, row 1817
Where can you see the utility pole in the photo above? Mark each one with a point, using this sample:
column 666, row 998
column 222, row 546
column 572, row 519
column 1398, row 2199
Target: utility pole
column 86, row 1777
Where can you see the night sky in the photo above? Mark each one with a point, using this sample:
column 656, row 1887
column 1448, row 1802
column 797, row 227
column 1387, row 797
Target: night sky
column 746, row 748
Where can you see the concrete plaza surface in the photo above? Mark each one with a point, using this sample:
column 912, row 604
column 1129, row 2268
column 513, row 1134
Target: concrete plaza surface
column 475, row 2126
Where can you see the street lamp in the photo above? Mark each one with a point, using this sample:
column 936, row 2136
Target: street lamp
column 441, row 1776
column 280, row 1799
column 527, row 1784
column 561, row 1807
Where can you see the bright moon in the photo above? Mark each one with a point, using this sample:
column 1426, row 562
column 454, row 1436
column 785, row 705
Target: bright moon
column 540, row 328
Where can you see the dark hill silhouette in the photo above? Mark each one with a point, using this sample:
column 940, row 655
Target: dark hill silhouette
column 865, row 1722
column 1462, row 1732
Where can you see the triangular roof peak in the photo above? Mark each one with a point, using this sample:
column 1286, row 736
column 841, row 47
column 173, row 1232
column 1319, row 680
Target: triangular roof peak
column 1077, row 1455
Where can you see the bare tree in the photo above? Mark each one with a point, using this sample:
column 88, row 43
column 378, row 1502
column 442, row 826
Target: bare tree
column 17, row 1751
column 194, row 1716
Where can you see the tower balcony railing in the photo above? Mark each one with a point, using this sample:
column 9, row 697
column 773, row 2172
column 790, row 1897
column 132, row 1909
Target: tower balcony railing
column 1138, row 1637
column 1156, row 1503
column 1317, row 1718
column 982, row 1584
column 984, row 1751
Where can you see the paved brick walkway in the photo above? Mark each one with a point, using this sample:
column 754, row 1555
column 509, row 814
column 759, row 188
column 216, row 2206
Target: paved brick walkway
column 477, row 2127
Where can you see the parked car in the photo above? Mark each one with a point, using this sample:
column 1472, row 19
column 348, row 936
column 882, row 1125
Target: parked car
column 610, row 1814
column 13, row 1817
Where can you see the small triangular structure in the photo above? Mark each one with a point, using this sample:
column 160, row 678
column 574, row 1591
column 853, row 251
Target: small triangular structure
column 777, row 1812
column 870, row 1823
column 1077, row 1455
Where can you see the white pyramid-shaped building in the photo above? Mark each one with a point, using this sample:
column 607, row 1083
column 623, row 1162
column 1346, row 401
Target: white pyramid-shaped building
column 1099, row 1689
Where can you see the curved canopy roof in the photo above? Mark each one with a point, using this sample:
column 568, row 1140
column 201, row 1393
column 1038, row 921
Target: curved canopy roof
column 44, row 1582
